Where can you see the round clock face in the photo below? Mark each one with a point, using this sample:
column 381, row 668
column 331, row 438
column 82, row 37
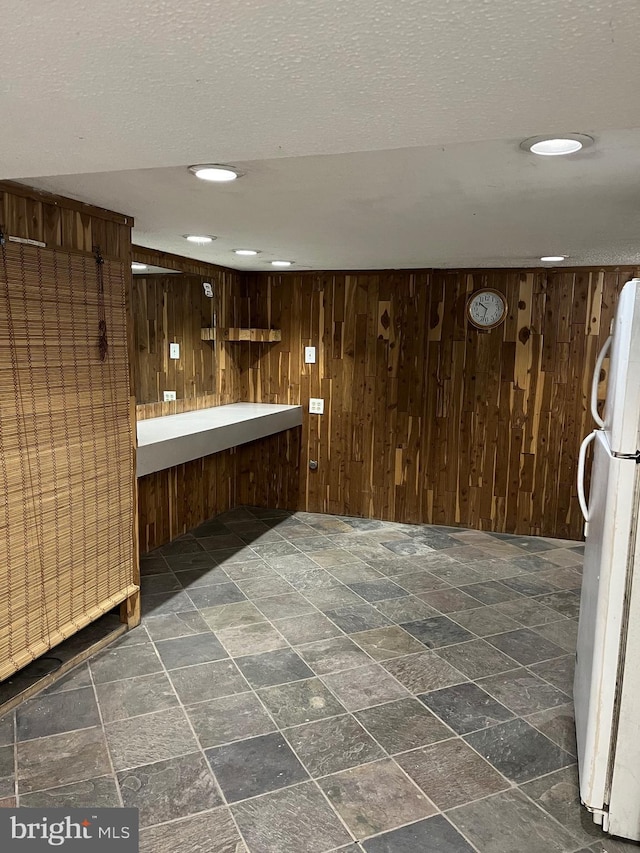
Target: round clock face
column 486, row 309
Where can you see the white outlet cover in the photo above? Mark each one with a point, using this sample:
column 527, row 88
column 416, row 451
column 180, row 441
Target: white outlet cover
column 174, row 350
column 316, row 406
column 309, row 355
column 169, row 396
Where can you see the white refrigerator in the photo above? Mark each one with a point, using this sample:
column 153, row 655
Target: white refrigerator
column 607, row 679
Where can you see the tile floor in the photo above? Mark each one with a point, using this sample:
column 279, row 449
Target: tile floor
column 308, row 683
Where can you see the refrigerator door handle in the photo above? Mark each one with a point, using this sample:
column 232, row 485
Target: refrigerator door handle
column 596, row 381
column 582, row 457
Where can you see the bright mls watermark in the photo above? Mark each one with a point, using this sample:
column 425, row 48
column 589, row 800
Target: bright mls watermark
column 69, row 830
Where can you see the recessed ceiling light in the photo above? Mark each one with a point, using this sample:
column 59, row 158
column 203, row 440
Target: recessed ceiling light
column 281, row 263
column 199, row 238
column 552, row 258
column 136, row 266
column 557, row 146
column 246, row 251
column 217, row 174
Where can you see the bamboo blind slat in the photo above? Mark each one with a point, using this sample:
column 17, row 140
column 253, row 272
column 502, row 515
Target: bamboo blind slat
column 66, row 457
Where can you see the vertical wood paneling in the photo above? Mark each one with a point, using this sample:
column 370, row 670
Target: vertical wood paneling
column 173, row 308
column 426, row 419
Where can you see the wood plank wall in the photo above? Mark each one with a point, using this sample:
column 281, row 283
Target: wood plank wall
column 173, row 308
column 67, row 458
column 262, row 473
column 427, row 420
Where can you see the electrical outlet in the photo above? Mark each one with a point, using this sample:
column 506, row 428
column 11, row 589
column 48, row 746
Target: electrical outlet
column 174, row 350
column 208, row 290
column 316, row 406
column 169, row 396
column 309, row 355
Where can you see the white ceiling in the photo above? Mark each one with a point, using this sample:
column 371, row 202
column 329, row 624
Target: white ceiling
column 374, row 133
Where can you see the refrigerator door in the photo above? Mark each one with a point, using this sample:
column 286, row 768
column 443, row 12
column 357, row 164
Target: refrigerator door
column 622, row 406
column 624, row 805
column 608, row 560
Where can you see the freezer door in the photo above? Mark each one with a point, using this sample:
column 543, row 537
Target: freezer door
column 607, row 560
column 622, row 406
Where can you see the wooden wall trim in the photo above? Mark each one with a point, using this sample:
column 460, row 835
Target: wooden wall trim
column 22, row 190
column 169, row 261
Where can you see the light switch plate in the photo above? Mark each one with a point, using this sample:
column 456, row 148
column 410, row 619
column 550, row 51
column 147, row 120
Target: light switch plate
column 169, row 396
column 174, row 350
column 316, row 406
column 309, row 355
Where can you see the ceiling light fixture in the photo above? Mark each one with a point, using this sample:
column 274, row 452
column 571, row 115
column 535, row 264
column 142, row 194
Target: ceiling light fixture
column 137, row 266
column 246, row 252
column 281, row 263
column 216, row 173
column 557, row 146
column 201, row 239
column 552, row 258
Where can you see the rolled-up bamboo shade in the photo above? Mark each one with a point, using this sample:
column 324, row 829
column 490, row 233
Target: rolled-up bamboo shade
column 66, row 451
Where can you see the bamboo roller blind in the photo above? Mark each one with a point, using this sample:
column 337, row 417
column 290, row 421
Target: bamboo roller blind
column 66, row 450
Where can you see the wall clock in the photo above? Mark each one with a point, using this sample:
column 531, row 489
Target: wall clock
column 486, row 308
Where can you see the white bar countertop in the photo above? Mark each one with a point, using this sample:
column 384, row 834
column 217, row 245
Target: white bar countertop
column 174, row 439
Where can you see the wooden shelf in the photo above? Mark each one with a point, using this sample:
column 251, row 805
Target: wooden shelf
column 253, row 335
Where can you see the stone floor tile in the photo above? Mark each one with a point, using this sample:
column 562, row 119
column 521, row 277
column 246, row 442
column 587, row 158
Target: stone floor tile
column 228, row 719
column 365, row 686
column 150, row 738
column 437, row 631
column 171, row 789
column 402, row 725
column 176, row 625
column 210, row 832
column 409, row 608
column 333, row 655
column 300, row 702
column 307, row 629
column 558, row 724
column 449, row 600
column 127, row 662
column 519, row 751
column 57, row 712
column 359, row 617
column 270, row 668
column 433, row 835
column 423, row 672
column 484, row 621
column 285, row 605
column 255, row 766
column 385, row 643
column 558, row 671
column 451, row 773
column 559, row 795
column 523, row 692
column 361, row 798
column 525, row 646
column 294, row 819
column 563, row 633
column 507, row 822
column 134, row 696
column 207, row 681
column 187, row 651
column 62, row 759
column 476, row 659
column 231, row 615
column 328, row 746
column 91, row 793
column 251, row 639
column 465, row 707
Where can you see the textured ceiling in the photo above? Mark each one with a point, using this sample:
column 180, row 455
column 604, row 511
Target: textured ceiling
column 374, row 133
column 480, row 204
